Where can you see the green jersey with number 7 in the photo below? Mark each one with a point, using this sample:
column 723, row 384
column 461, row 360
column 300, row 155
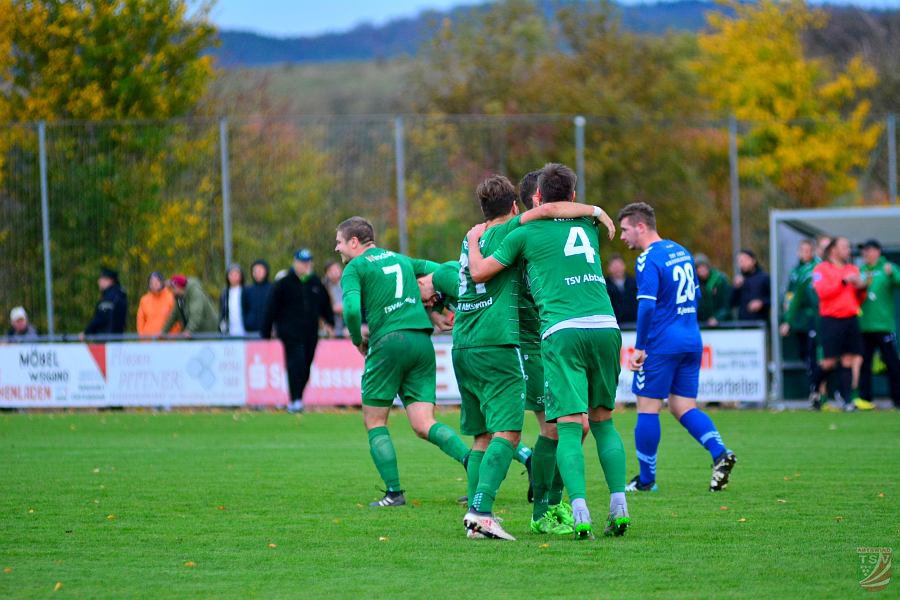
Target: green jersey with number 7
column 563, row 265
column 386, row 282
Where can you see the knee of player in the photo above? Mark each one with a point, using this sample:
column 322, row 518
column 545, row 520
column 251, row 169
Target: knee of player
column 422, row 428
column 513, row 437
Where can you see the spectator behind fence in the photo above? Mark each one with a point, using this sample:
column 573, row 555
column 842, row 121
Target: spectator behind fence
column 110, row 313
column 257, row 296
column 155, row 306
column 751, row 289
column 715, row 293
column 877, row 321
column 20, row 330
column 233, row 303
column 333, row 272
column 296, row 304
column 800, row 311
column 840, row 290
column 193, row 309
column 622, row 290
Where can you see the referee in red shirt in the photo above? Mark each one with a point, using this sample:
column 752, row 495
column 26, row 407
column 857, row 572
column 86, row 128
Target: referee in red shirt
column 841, row 289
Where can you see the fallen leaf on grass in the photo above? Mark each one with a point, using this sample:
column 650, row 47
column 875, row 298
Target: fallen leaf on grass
column 58, row 586
column 271, row 545
column 782, row 501
column 72, row 428
column 786, row 478
column 7, row 570
column 742, row 520
column 459, row 478
column 382, row 538
column 336, row 521
column 839, row 518
column 30, row 511
column 220, row 508
column 832, row 427
column 359, row 505
column 544, row 546
column 723, row 508
column 190, row 563
column 110, row 517
column 881, row 494
column 417, row 503
column 96, row 469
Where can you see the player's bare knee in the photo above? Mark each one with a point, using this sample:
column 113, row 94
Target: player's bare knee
column 600, row 414
column 678, row 405
column 548, row 430
column 481, row 442
column 648, row 405
column 513, row 437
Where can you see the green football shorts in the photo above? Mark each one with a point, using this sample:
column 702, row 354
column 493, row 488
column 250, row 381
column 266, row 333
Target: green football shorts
column 581, row 370
column 492, row 385
column 400, row 362
column 534, row 378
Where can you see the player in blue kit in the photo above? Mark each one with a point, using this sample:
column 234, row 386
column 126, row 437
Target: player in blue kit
column 668, row 349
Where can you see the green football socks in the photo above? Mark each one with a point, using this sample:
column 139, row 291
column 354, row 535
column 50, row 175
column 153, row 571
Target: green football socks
column 385, row 457
column 570, row 459
column 448, row 441
column 494, row 467
column 472, row 467
column 543, row 467
column 611, row 452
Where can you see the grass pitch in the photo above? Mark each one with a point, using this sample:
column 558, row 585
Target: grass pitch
column 272, row 505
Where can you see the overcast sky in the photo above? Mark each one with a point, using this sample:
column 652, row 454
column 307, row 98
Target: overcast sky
column 305, row 17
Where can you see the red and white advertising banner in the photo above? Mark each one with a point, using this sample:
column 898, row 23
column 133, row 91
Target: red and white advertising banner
column 198, row 373
column 733, row 368
column 238, row 373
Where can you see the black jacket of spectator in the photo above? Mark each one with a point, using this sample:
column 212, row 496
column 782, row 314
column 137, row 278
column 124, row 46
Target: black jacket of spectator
column 295, row 307
column 109, row 316
column 624, row 301
column 756, row 287
column 254, row 300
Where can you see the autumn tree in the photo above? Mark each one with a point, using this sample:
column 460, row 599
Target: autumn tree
column 115, row 187
column 805, row 128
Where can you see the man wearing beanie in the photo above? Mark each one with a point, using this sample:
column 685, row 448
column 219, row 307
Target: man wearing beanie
column 193, row 308
column 109, row 315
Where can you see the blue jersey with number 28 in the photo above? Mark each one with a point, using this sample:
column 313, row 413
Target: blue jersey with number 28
column 665, row 273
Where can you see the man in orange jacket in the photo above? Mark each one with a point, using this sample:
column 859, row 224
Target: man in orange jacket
column 155, row 307
column 840, row 289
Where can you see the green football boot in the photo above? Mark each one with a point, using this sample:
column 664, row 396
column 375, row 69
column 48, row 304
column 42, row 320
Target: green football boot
column 563, row 513
column 549, row 524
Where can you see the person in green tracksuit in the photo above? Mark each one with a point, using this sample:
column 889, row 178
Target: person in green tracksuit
column 877, row 320
column 800, row 311
column 715, row 294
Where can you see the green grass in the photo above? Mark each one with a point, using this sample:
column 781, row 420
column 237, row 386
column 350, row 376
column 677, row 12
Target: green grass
column 116, row 504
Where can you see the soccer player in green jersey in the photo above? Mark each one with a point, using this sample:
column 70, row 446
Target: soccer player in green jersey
column 580, row 340
column 486, row 332
column 398, row 350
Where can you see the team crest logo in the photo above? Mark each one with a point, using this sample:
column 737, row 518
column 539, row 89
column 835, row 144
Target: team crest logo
column 874, row 568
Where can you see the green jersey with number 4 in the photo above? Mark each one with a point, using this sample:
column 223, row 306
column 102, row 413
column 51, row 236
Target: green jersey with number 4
column 487, row 314
column 386, row 282
column 563, row 265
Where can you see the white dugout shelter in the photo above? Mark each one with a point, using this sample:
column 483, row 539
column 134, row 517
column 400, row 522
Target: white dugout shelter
column 788, row 227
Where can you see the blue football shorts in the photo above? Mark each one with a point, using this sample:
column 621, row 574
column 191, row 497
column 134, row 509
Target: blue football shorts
column 668, row 374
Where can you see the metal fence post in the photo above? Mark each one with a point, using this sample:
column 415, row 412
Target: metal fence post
column 735, row 192
column 579, row 156
column 45, row 226
column 400, row 163
column 892, row 157
column 226, row 190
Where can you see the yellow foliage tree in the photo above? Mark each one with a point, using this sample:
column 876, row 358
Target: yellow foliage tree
column 807, row 130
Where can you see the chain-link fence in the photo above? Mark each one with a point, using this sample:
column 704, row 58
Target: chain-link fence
column 191, row 195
